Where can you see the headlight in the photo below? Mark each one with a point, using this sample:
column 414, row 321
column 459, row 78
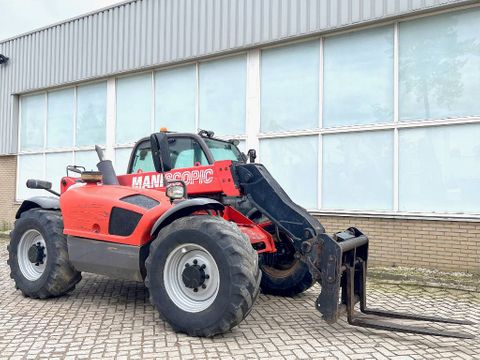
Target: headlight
column 175, row 191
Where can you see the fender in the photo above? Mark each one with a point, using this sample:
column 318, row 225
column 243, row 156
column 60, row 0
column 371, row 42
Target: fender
column 43, row 202
column 184, row 208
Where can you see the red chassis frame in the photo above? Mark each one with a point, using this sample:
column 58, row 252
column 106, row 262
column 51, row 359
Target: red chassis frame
column 200, row 180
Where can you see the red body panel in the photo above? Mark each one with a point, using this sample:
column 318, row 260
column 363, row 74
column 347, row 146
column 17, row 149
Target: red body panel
column 86, row 208
column 216, row 178
column 66, row 182
column 86, row 212
column 255, row 233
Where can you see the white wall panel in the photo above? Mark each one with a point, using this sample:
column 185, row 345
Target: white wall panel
column 147, row 33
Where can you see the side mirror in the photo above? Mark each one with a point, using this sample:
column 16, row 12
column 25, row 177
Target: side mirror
column 160, row 152
column 39, row 184
column 252, row 155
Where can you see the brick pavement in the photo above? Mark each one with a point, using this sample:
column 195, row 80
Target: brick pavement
column 106, row 318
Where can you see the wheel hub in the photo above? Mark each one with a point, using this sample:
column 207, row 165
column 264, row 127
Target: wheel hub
column 32, row 255
column 36, row 254
column 193, row 276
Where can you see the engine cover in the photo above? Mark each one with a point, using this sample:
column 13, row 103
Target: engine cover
column 113, row 213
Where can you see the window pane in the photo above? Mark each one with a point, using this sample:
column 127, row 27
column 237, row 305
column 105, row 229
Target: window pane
column 29, row 167
column 175, row 99
column 186, row 152
column 223, row 95
column 289, row 93
column 122, row 157
column 32, row 122
column 358, row 73
column 91, row 114
column 88, row 159
column 293, row 163
column 134, row 108
column 60, row 119
column 439, row 169
column 222, row 150
column 358, row 171
column 56, row 167
column 439, row 66
column 143, row 160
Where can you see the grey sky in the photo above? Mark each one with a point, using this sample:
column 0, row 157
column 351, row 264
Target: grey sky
column 20, row 16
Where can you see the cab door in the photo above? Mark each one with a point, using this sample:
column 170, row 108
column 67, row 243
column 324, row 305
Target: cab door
column 186, row 151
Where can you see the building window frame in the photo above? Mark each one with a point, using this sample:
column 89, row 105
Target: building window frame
column 45, row 151
column 253, row 134
column 395, row 125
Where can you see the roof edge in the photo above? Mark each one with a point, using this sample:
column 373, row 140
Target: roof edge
column 68, row 20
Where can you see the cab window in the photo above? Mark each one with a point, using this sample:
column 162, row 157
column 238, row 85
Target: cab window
column 223, row 150
column 184, row 152
column 143, row 159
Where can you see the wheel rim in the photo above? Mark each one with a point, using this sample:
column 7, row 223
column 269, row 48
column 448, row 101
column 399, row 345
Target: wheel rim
column 180, row 286
column 32, row 255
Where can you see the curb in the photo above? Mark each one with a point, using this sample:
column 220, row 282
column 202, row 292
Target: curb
column 425, row 278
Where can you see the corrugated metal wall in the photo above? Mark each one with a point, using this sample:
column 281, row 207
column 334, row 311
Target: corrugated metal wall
column 147, row 33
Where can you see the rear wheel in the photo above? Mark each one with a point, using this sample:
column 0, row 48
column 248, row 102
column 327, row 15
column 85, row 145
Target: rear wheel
column 283, row 274
column 202, row 274
column 38, row 255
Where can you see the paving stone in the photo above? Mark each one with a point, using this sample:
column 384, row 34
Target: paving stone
column 113, row 319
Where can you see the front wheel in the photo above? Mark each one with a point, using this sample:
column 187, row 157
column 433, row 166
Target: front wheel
column 38, row 255
column 202, row 275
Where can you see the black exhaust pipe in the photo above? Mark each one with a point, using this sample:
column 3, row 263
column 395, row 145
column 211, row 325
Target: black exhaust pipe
column 109, row 177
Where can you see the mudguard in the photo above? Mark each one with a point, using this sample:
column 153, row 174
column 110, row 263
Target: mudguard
column 184, row 208
column 43, row 202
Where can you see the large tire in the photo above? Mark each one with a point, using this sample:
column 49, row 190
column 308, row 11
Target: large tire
column 286, row 282
column 231, row 277
column 52, row 275
column 282, row 273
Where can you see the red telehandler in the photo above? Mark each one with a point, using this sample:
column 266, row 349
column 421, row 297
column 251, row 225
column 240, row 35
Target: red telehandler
column 204, row 226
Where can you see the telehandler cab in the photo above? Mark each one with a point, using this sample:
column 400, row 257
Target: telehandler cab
column 203, row 227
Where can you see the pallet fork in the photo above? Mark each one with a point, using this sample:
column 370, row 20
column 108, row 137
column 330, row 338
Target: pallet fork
column 343, row 279
column 338, row 263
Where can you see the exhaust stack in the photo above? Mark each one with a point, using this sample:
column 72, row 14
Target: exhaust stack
column 109, row 177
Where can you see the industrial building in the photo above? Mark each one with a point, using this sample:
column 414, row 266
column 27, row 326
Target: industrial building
column 367, row 112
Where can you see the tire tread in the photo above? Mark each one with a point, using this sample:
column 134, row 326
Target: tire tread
column 62, row 277
column 246, row 276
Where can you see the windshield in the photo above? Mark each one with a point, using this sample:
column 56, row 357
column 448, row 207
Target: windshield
column 223, row 150
column 185, row 152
